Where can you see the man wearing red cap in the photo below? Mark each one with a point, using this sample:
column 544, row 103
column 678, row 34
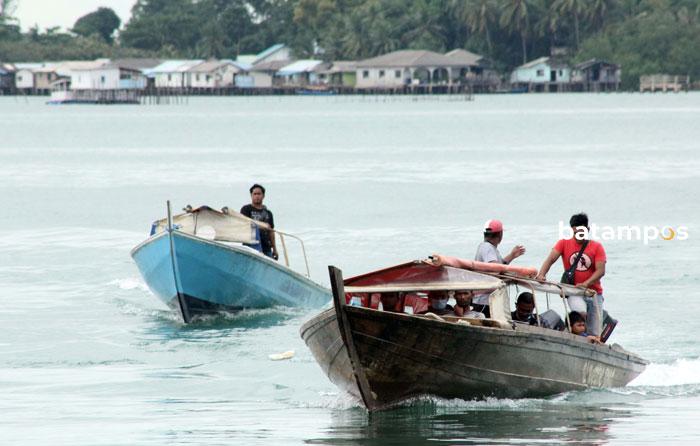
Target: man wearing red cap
column 488, row 252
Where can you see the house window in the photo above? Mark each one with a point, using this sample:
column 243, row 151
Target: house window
column 196, row 76
column 19, row 78
column 540, row 73
column 381, row 73
column 397, row 74
column 365, row 74
column 102, row 79
column 208, row 78
column 561, row 72
column 170, row 77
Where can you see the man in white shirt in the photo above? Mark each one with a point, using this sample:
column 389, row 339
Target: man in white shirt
column 488, row 252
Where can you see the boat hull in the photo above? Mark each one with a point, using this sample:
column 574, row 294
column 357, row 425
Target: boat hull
column 397, row 357
column 199, row 276
column 322, row 336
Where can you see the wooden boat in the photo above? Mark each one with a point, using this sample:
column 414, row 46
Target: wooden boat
column 198, row 262
column 386, row 357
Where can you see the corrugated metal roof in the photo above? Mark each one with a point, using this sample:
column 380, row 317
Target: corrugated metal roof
column 341, row 66
column 188, row 65
column 173, row 66
column 246, row 58
column 300, row 66
column 266, row 52
column 465, row 57
column 212, row 65
column 138, row 63
column 409, row 58
column 272, row 65
column 535, row 62
column 28, row 65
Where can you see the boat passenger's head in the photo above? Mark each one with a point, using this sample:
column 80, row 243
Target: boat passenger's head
column 579, row 224
column 525, row 305
column 464, row 298
column 493, row 232
column 390, row 301
column 578, row 323
column 438, row 299
column 257, row 194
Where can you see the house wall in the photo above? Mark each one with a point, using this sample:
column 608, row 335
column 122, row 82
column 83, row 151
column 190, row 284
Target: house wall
column 106, row 79
column 244, row 81
column 261, row 79
column 537, row 74
column 349, row 79
column 170, row 80
column 24, row 79
column 228, row 75
column 203, row 80
column 42, row 80
column 540, row 73
column 95, row 79
column 380, row 77
column 218, row 78
column 131, row 80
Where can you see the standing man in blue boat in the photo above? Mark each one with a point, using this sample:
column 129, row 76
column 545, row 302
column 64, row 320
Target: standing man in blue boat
column 488, row 252
column 259, row 212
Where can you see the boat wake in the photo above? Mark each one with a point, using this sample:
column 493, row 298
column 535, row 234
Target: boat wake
column 680, row 372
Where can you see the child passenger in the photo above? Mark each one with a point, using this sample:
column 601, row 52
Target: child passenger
column 578, row 327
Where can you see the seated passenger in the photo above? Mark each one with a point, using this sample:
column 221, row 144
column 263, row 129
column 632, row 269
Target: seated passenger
column 390, row 302
column 463, row 307
column 524, row 308
column 437, row 304
column 578, row 327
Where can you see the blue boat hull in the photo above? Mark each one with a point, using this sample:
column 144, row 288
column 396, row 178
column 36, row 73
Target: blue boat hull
column 203, row 276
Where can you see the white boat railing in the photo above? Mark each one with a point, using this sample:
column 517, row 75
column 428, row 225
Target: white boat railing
column 285, row 252
column 284, row 246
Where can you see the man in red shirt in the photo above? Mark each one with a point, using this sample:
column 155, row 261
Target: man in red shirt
column 588, row 272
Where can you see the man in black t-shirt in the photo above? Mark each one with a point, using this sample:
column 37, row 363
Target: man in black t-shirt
column 524, row 308
column 259, row 212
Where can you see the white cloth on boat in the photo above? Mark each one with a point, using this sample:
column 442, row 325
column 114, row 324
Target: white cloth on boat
column 214, row 225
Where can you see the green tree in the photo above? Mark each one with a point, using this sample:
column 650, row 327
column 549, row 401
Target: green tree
column 157, row 24
column 102, row 22
column 576, row 9
column 479, row 16
column 516, row 18
column 7, row 10
column 599, row 11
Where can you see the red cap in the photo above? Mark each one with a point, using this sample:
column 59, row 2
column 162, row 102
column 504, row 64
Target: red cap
column 493, row 226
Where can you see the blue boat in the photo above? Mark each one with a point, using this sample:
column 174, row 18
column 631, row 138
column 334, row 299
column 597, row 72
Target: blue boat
column 205, row 261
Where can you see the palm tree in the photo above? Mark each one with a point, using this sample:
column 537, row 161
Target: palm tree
column 478, row 15
column 598, row 11
column 548, row 25
column 575, row 8
column 515, row 17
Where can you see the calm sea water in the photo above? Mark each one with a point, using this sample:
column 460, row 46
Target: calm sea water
column 89, row 356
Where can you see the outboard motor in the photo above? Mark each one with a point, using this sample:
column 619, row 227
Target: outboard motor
column 609, row 325
column 551, row 319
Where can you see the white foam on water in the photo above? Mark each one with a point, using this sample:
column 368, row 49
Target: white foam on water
column 681, row 372
column 130, row 283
